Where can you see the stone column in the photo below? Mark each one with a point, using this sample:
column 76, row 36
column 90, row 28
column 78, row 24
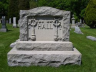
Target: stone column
column 73, row 22
column 9, row 20
column 14, row 22
column 4, row 28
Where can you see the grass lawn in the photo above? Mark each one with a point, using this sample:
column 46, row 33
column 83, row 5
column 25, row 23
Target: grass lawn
column 85, row 46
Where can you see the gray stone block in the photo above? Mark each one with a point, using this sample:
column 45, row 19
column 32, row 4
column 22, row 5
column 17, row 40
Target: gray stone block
column 44, row 46
column 43, row 58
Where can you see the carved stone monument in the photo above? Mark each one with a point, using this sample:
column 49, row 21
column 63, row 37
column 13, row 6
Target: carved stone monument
column 44, row 39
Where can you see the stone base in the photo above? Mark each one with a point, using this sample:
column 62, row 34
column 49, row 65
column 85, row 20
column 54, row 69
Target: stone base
column 43, row 58
column 44, row 46
column 14, row 26
column 3, row 30
column 73, row 26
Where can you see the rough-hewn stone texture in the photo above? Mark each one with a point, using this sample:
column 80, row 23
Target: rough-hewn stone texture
column 43, row 58
column 44, row 39
column 44, row 11
column 44, row 46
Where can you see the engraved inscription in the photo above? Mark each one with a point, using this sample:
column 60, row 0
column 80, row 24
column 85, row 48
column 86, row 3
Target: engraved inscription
column 47, row 28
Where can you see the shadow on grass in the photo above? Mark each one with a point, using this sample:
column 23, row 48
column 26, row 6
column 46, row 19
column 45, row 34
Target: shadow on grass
column 10, row 30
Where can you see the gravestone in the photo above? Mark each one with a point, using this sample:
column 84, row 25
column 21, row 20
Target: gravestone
column 0, row 20
column 14, row 22
column 73, row 22
column 44, row 39
column 91, row 38
column 77, row 30
column 4, row 28
column 9, row 20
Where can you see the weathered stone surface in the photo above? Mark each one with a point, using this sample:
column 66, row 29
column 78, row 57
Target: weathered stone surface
column 44, row 24
column 44, row 39
column 77, row 30
column 43, row 58
column 14, row 43
column 91, row 38
column 44, row 46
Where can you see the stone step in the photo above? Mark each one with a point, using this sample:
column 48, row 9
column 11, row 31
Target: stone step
column 44, row 46
column 43, row 58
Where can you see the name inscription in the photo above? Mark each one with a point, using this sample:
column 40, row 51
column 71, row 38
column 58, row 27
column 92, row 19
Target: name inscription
column 45, row 26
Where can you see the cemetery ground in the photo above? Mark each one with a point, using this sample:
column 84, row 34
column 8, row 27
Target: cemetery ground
column 86, row 47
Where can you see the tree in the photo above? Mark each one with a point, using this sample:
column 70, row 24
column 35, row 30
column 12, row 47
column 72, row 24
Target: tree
column 77, row 7
column 90, row 14
column 33, row 4
column 24, row 5
column 4, row 8
column 13, row 10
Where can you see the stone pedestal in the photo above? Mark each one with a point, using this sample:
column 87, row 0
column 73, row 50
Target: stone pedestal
column 43, row 54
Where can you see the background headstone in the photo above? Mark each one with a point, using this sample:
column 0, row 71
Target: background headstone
column 73, row 22
column 0, row 20
column 91, row 38
column 14, row 22
column 4, row 28
column 9, row 20
column 77, row 30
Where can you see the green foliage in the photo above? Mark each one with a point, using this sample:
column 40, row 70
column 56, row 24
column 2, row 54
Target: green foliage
column 23, row 4
column 77, row 7
column 90, row 14
column 33, row 4
column 15, row 6
column 3, row 8
column 13, row 9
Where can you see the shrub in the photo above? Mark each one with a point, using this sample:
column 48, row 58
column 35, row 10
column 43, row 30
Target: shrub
column 90, row 14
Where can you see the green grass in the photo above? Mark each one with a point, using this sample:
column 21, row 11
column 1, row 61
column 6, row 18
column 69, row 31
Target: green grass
column 84, row 45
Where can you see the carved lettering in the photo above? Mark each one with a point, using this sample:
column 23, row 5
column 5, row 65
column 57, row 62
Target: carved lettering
column 45, row 26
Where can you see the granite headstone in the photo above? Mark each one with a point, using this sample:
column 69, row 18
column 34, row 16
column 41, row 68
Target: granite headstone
column 44, row 39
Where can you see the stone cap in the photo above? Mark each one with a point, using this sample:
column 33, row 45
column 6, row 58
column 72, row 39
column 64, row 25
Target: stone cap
column 42, row 11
